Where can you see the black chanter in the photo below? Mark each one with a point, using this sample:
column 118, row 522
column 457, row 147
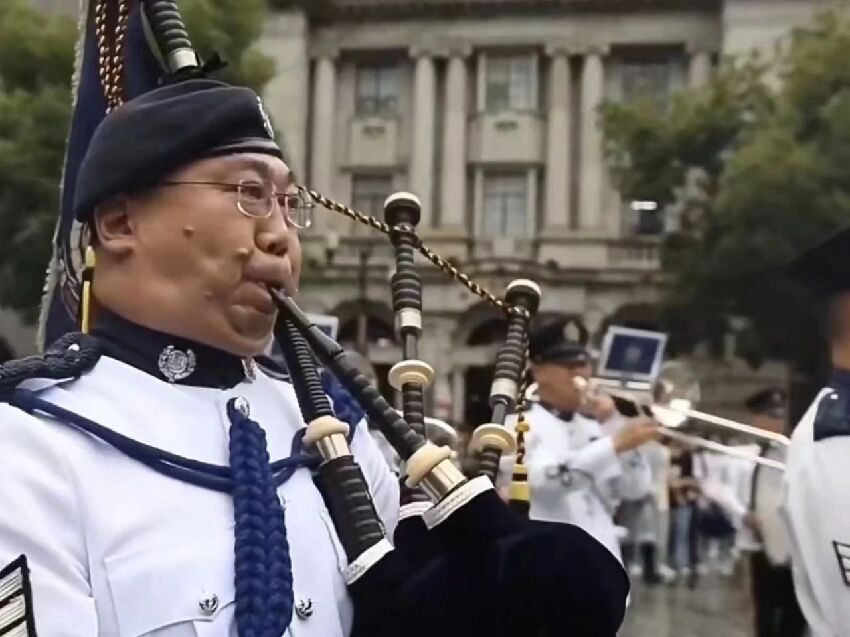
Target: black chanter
column 463, row 563
column 492, row 439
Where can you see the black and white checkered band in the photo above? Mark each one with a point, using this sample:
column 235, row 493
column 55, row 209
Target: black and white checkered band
column 842, row 552
column 16, row 615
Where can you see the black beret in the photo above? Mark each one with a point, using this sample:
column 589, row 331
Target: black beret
column 768, row 402
column 823, row 269
column 147, row 138
column 562, row 340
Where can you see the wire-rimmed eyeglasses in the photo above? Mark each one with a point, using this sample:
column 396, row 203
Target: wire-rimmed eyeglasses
column 257, row 200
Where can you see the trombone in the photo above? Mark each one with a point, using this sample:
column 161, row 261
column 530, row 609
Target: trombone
column 677, row 410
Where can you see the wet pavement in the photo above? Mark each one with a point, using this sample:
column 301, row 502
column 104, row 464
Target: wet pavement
column 717, row 607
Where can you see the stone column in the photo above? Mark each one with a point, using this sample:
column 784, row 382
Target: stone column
column 422, row 155
column 592, row 176
column 557, row 212
column 453, row 186
column 699, row 68
column 458, row 395
column 286, row 96
column 324, row 123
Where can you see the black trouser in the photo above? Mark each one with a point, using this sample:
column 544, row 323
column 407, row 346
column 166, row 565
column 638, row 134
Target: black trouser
column 777, row 611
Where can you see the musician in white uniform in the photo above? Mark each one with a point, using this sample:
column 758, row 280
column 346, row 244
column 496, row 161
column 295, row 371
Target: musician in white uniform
column 123, row 500
column 817, row 479
column 575, row 471
column 761, row 532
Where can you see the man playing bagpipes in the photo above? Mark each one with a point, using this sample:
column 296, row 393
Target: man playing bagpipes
column 158, row 477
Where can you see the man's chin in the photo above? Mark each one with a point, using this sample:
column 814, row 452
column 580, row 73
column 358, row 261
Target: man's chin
column 252, row 337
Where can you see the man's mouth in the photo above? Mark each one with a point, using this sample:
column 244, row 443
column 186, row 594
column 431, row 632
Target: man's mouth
column 256, row 295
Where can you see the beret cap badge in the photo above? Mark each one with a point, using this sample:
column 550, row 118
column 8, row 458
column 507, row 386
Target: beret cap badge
column 572, row 333
column 267, row 123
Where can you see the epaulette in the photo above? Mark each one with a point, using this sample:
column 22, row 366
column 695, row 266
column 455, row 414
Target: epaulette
column 69, row 357
column 833, row 416
column 16, row 612
column 272, row 368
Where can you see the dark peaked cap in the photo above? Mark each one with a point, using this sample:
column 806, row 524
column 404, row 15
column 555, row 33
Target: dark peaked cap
column 144, row 140
column 561, row 340
column 825, row 268
column 768, row 402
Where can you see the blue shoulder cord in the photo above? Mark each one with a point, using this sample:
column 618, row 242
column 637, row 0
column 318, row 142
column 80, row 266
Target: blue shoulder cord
column 262, row 565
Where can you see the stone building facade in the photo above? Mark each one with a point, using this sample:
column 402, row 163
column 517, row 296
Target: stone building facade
column 486, row 109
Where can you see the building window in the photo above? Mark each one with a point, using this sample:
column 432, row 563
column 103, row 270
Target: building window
column 510, row 82
column 368, row 193
column 645, row 218
column 377, row 90
column 650, row 79
column 505, row 205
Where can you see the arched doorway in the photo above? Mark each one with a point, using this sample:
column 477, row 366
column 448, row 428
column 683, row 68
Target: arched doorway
column 383, row 349
column 380, row 336
column 6, row 352
column 487, row 335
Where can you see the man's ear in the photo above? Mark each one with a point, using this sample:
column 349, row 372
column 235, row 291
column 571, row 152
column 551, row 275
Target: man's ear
column 114, row 228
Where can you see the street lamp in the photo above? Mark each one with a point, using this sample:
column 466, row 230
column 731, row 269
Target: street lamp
column 331, row 246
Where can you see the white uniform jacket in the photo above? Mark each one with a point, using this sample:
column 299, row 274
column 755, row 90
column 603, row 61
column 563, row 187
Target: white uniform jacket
column 758, row 489
column 817, row 514
column 574, row 474
column 118, row 550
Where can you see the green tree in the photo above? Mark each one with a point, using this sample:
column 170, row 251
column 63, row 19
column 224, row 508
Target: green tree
column 754, row 167
column 36, row 64
column 231, row 28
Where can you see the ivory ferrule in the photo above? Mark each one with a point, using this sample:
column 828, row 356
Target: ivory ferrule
column 181, row 59
column 333, row 446
column 442, row 480
column 504, row 387
column 409, row 318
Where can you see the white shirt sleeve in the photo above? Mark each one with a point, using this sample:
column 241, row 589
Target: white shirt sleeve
column 596, row 461
column 40, row 518
column 383, row 483
column 635, row 479
column 816, row 510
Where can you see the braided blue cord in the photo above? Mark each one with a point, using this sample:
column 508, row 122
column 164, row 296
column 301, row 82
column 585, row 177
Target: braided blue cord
column 263, row 569
column 201, row 474
column 345, row 407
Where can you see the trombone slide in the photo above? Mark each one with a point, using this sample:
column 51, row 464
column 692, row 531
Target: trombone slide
column 716, row 446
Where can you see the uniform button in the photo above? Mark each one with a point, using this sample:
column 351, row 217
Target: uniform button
column 243, row 407
column 304, row 608
column 208, row 603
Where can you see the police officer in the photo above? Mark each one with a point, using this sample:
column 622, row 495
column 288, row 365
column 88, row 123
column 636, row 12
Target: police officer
column 112, row 475
column 576, row 472
column 817, row 479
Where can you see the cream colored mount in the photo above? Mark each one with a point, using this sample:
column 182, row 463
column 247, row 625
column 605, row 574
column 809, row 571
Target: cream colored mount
column 413, row 372
column 493, row 435
column 408, row 197
column 431, row 468
column 328, row 435
column 324, row 426
column 528, row 283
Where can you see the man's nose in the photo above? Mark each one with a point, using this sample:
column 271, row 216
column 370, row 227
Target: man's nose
column 272, row 234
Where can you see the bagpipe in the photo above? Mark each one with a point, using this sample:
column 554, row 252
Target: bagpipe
column 461, row 561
